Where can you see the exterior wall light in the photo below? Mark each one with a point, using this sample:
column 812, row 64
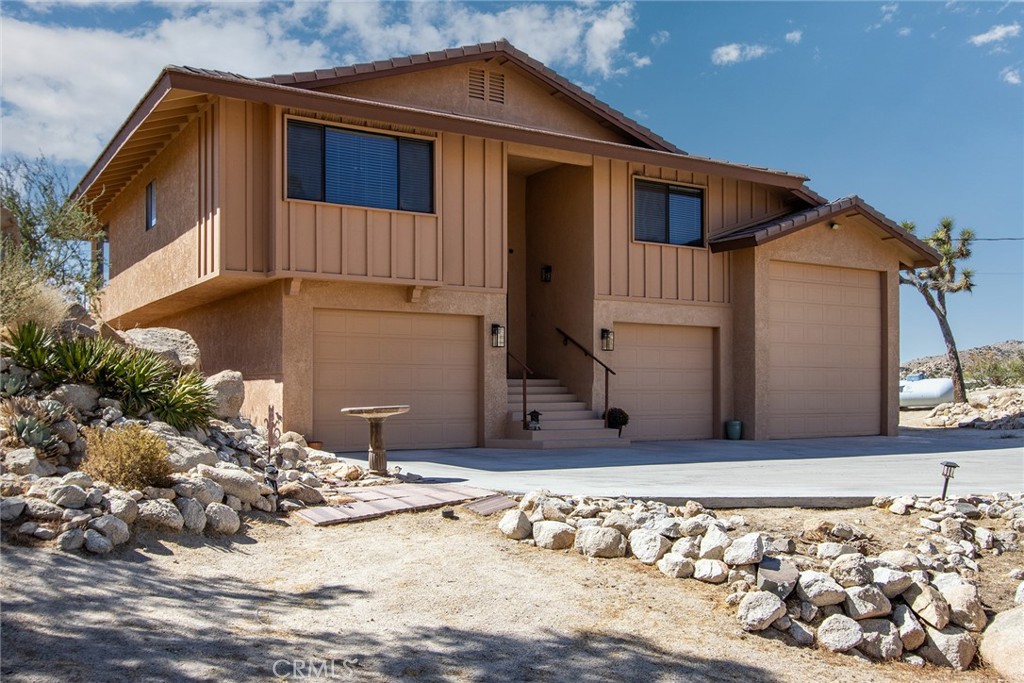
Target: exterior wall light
column 607, row 339
column 545, row 273
column 947, row 474
column 498, row 336
column 833, row 225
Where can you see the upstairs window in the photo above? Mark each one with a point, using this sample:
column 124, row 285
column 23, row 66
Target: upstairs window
column 341, row 166
column 151, row 205
column 669, row 214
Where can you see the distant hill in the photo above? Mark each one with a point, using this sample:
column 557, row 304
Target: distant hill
column 938, row 366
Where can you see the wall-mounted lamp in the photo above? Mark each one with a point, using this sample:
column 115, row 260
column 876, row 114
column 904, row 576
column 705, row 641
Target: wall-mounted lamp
column 607, row 339
column 545, row 273
column 832, row 225
column 498, row 336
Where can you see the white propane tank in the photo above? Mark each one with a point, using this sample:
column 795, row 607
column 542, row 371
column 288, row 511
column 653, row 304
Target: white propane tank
column 926, row 393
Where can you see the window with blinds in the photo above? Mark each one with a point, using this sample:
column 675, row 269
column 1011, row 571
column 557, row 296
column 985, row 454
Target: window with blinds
column 669, row 214
column 343, row 166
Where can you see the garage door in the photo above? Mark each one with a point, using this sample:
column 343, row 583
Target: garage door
column 825, row 351
column 367, row 358
column 665, row 380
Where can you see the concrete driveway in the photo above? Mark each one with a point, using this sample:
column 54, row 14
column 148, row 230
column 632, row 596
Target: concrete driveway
column 810, row 472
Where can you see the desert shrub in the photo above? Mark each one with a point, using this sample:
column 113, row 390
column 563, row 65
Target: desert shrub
column 131, row 457
column 28, row 344
column 24, row 296
column 988, row 367
column 188, row 403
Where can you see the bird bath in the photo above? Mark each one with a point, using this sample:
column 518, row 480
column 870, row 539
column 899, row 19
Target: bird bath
column 375, row 415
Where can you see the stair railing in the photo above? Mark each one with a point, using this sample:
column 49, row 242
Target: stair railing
column 566, row 338
column 525, row 371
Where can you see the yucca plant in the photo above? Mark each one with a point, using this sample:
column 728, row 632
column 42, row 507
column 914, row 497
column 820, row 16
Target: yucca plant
column 29, row 344
column 187, row 404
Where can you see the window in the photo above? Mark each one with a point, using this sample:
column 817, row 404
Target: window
column 670, row 214
column 101, row 256
column 151, row 205
column 340, row 166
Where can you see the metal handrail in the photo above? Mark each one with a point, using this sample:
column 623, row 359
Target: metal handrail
column 526, row 420
column 566, row 338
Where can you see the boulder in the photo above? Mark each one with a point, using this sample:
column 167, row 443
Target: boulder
column 819, row 589
column 648, row 546
column 295, row 437
column 710, row 571
column 113, row 528
column 866, row 602
column 11, row 509
column 516, row 525
column 687, row 546
column 598, row 541
column 697, row 525
column 292, row 452
column 747, row 549
column 759, row 609
column 801, row 634
column 68, row 496
column 42, row 510
column 81, row 397
column 928, row 604
column 839, row 633
column 23, row 462
column 160, row 514
column 676, row 566
column 777, row 576
column 228, row 391
column 193, row 513
column 206, row 491
column 881, row 639
column 302, row 493
column 951, row 646
column 123, row 507
column 910, row 629
column 714, row 543
column 1002, row 644
column 78, row 479
column 97, row 543
column 830, row 551
column 669, row 527
column 850, row 570
column 964, row 601
column 620, row 521
column 175, row 346
column 67, row 432
column 220, row 519
column 553, row 535
column 235, row 482
column 892, row 582
column 185, row 453
column 72, row 539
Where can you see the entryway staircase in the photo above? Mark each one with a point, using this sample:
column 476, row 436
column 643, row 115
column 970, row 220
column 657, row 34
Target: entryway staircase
column 565, row 421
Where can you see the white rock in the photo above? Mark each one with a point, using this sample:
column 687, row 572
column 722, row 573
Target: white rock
column 206, row 491
column 910, row 629
column 839, row 633
column 904, row 559
column 515, row 525
column 616, row 519
column 553, row 535
column 186, row 453
column 228, row 393
column 78, row 479
column 892, row 582
column 82, row 397
column 676, row 566
column 72, row 539
column 1018, row 597
column 123, row 507
column 928, row 604
column 598, row 541
column 175, row 346
column 777, row 576
column 759, row 609
column 747, row 549
column 11, row 509
column 714, row 543
column 965, row 609
column 220, row 519
column 193, row 513
column 710, row 571
column 235, row 482
column 648, row 546
column 951, row 646
column 881, row 639
column 830, row 551
column 111, row 527
column 819, row 589
column 850, row 570
column 97, row 543
column 866, row 602
column 42, row 510
column 160, row 514
column 687, row 546
column 23, row 461
column 801, row 634
column 1002, row 644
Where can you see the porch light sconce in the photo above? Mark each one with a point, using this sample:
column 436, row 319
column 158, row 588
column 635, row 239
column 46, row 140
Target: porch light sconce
column 545, row 273
column 607, row 339
column 947, row 474
column 833, row 225
column 498, row 336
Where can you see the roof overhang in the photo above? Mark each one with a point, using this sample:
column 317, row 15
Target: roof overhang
column 762, row 233
column 179, row 94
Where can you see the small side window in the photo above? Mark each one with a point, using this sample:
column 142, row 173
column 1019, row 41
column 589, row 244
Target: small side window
column 101, row 257
column 151, row 205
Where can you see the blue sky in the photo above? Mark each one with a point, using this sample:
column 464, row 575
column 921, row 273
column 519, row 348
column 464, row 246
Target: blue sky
column 918, row 107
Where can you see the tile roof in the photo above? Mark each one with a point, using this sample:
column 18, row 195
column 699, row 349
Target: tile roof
column 756, row 235
column 325, row 77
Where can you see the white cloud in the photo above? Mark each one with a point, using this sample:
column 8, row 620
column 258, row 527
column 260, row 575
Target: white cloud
column 996, row 34
column 905, row 31
column 1010, row 75
column 733, row 53
column 660, row 38
column 889, row 11
column 794, row 37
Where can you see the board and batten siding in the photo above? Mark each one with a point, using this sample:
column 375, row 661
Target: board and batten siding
column 642, row 270
column 244, row 150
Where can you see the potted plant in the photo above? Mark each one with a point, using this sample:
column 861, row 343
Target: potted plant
column 617, row 419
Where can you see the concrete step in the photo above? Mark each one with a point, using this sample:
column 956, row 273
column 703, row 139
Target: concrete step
column 532, row 390
column 548, row 398
column 531, row 382
column 588, row 422
column 552, row 407
column 557, row 415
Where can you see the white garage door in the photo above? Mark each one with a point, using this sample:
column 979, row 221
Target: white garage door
column 665, row 380
column 825, row 351
column 430, row 362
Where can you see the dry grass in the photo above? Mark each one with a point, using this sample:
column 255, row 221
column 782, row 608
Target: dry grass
column 131, row 457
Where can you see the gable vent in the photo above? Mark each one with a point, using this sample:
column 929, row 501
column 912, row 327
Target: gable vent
column 477, row 87
column 496, row 88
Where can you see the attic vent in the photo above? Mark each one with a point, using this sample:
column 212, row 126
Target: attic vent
column 496, row 88
column 477, row 87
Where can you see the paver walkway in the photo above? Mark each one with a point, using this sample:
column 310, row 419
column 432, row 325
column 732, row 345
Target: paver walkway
column 377, row 501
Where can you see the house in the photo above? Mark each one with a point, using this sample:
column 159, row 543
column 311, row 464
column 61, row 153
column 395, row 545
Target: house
column 415, row 230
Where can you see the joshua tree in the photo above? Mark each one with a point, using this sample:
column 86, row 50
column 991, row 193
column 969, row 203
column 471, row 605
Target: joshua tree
column 935, row 283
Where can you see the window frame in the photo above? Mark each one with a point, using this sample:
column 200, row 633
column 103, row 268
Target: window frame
column 101, row 256
column 435, row 174
column 685, row 188
column 151, row 214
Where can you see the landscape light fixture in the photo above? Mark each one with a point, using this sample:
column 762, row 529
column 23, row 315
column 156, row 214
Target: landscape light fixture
column 545, row 273
column 498, row 336
column 607, row 339
column 947, row 474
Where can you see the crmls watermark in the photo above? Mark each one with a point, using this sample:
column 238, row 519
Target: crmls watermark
column 298, row 669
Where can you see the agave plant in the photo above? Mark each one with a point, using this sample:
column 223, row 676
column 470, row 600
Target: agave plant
column 28, row 422
column 77, row 359
column 187, row 404
column 12, row 385
column 29, row 344
column 140, row 380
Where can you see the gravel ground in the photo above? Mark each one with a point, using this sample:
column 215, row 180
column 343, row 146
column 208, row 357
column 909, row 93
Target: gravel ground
column 411, row 597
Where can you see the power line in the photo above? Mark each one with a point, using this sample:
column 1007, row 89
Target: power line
column 998, row 239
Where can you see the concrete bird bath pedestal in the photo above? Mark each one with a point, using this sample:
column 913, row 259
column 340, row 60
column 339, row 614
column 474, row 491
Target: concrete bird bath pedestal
column 376, row 415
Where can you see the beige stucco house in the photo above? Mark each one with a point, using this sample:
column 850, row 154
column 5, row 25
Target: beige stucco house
column 393, row 232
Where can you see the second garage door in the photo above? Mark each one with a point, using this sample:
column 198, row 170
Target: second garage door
column 825, row 351
column 665, row 380
column 430, row 362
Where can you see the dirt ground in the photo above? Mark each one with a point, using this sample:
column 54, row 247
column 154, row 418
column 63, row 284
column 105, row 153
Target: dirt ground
column 410, row 597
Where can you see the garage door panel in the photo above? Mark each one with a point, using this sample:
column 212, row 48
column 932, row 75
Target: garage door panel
column 427, row 361
column 824, row 351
